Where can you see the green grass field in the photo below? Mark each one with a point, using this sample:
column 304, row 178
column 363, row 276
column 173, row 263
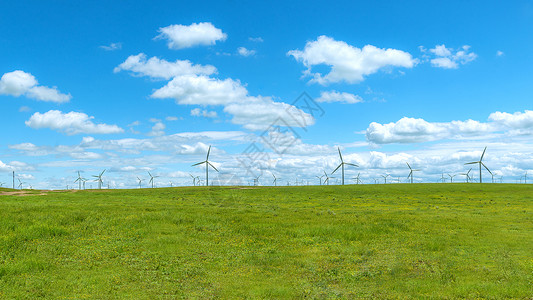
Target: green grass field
column 385, row 241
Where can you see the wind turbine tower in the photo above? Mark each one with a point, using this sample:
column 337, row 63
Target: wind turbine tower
column 480, row 162
column 342, row 165
column 207, row 165
column 411, row 172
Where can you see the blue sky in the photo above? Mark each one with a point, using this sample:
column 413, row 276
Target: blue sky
column 133, row 87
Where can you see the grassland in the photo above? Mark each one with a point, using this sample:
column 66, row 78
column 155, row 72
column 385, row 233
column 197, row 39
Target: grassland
column 386, row 241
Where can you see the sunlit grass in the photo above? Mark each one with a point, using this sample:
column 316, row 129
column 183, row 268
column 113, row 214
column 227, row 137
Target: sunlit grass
column 389, row 241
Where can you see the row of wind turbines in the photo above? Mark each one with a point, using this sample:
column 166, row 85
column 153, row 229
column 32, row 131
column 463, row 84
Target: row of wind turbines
column 197, row 181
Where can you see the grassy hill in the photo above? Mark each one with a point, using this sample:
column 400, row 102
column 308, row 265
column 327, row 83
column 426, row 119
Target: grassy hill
column 387, row 241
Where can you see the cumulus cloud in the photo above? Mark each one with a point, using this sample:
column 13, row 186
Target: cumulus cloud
column 411, row 130
column 245, row 52
column 70, row 123
column 112, row 47
column 158, row 129
column 197, row 112
column 334, row 96
column 18, row 83
column 448, row 59
column 253, row 112
column 517, row 120
column 196, row 34
column 161, row 69
column 348, row 63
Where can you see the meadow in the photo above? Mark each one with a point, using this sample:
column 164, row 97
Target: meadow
column 356, row 241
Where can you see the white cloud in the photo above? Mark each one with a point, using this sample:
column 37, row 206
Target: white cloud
column 348, row 63
column 172, row 118
column 112, row 47
column 334, row 96
column 256, row 39
column 70, row 123
column 245, row 52
column 202, row 90
column 518, row 120
column 197, row 112
column 196, row 34
column 447, row 59
column 19, row 83
column 161, row 69
column 24, row 109
column 254, row 113
column 500, row 53
column 411, row 130
column 158, row 129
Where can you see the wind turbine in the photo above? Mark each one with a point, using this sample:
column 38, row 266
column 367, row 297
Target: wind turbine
column 467, row 174
column 327, row 178
column 84, row 180
column 320, row 179
column 525, row 178
column 451, row 177
column 20, row 183
column 385, row 177
column 357, row 180
column 193, row 179
column 442, row 178
column 275, row 181
column 207, row 165
column 140, row 182
column 411, row 172
column 79, row 180
column 342, row 165
column 152, row 179
column 480, row 162
column 99, row 179
column 256, row 180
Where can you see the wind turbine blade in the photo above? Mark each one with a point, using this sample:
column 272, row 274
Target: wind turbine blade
column 408, row 165
column 340, row 154
column 471, row 163
column 214, row 166
column 353, row 165
column 102, row 173
column 208, row 153
column 203, row 162
column 483, row 154
column 150, row 174
column 336, row 168
column 487, row 168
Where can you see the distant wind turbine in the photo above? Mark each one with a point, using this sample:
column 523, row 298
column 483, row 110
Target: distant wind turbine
column 480, row 162
column 411, row 172
column 385, row 177
column 341, row 165
column 451, row 177
column 20, row 183
column 275, row 181
column 442, row 178
column 357, row 180
column 152, row 179
column 99, row 179
column 256, row 180
column 140, row 182
column 319, row 179
column 193, row 179
column 79, row 180
column 207, row 165
column 467, row 174
column 525, row 178
column 327, row 178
